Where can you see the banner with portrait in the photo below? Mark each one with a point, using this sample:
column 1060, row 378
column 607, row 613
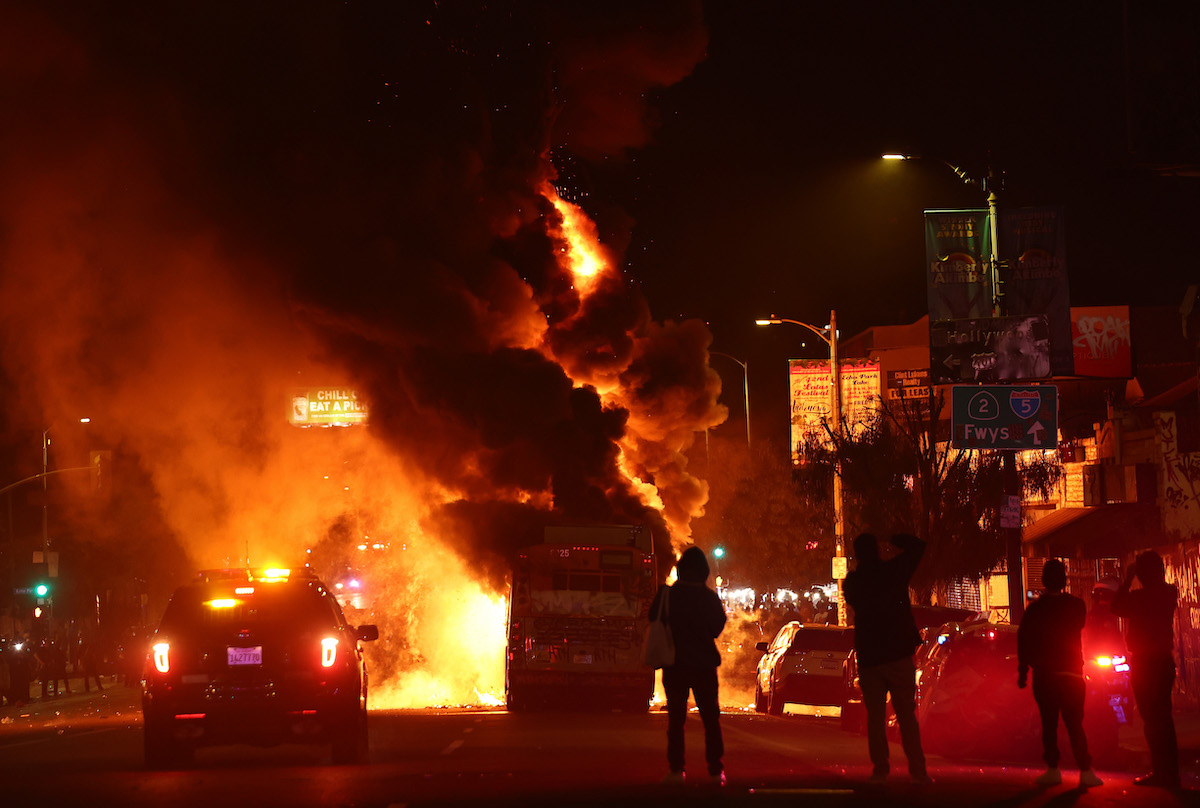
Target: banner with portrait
column 1034, row 274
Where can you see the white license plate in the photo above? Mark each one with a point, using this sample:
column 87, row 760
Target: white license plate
column 244, row 656
column 831, row 664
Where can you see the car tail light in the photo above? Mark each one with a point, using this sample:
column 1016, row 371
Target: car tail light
column 328, row 651
column 162, row 657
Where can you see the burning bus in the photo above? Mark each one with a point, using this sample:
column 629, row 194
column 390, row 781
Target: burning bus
column 577, row 617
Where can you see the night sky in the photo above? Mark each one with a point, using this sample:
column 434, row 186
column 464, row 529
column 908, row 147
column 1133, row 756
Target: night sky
column 368, row 170
column 768, row 152
column 762, row 192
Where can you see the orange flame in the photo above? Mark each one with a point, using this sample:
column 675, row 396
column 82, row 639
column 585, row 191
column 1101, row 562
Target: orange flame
column 581, row 251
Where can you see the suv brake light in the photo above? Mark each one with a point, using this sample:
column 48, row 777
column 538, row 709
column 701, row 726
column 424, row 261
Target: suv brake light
column 328, row 651
column 162, row 657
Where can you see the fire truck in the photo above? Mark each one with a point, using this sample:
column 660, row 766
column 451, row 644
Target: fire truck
column 577, row 619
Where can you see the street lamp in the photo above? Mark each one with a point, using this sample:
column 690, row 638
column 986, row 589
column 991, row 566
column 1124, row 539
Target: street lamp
column 988, row 184
column 1015, row 560
column 835, row 384
column 745, row 388
column 45, row 495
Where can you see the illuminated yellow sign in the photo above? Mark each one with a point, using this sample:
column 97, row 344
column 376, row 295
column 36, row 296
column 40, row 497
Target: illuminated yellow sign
column 327, row 406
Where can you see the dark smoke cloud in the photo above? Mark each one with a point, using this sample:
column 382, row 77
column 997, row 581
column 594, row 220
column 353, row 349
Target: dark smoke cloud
column 609, row 64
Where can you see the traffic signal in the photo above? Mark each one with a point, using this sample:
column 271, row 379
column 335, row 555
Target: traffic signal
column 102, row 478
column 718, row 552
column 42, row 589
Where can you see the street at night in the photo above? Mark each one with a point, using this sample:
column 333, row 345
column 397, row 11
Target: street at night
column 384, row 381
column 86, row 749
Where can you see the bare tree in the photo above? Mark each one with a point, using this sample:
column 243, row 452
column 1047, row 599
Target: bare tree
column 901, row 474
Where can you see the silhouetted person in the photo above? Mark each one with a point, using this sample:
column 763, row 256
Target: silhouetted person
column 697, row 617
column 20, row 661
column 885, row 637
column 89, row 663
column 1150, row 640
column 52, row 662
column 6, row 697
column 1049, row 640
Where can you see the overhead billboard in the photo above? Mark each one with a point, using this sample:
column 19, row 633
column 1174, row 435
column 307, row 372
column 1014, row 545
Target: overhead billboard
column 812, row 400
column 1004, row 416
column 327, row 406
column 990, row 349
column 1032, row 284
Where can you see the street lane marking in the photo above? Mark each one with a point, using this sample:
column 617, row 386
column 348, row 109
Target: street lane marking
column 453, row 745
column 801, row 791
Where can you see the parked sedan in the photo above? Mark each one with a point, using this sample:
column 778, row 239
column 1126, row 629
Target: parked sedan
column 803, row 665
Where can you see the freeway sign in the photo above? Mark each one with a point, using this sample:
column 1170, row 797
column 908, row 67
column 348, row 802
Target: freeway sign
column 1004, row 416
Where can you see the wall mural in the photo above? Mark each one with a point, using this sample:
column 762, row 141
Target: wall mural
column 1183, row 570
column 1181, row 517
column 1181, row 479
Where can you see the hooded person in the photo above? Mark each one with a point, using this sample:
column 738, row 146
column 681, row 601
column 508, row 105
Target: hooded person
column 696, row 617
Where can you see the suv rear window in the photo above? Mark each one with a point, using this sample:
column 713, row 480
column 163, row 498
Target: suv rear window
column 291, row 608
column 819, row 640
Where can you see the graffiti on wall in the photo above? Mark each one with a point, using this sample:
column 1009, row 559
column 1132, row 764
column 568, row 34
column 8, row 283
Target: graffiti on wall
column 1101, row 341
column 1183, row 570
column 1181, row 479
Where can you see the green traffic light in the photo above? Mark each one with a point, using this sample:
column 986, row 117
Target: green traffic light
column 41, row 590
column 719, row 552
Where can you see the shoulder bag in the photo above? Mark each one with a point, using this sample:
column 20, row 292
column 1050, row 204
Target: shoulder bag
column 660, row 645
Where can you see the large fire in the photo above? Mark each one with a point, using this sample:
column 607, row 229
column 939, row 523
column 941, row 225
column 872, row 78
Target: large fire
column 581, row 253
column 460, row 640
column 176, row 288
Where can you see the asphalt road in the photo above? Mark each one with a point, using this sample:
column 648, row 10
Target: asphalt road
column 86, row 750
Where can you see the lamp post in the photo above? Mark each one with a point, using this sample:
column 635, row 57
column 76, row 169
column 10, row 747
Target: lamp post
column 835, row 384
column 1012, row 486
column 745, row 388
column 45, row 494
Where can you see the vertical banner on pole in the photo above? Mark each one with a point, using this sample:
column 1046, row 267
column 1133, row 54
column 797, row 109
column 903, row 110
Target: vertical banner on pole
column 1033, row 245
column 958, row 245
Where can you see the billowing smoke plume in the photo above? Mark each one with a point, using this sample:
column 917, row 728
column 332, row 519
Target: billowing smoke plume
column 200, row 213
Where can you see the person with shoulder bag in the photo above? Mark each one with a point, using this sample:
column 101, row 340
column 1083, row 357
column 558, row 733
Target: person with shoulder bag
column 696, row 617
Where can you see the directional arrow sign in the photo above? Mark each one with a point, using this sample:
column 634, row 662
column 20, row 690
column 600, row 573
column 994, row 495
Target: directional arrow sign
column 1004, row 416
